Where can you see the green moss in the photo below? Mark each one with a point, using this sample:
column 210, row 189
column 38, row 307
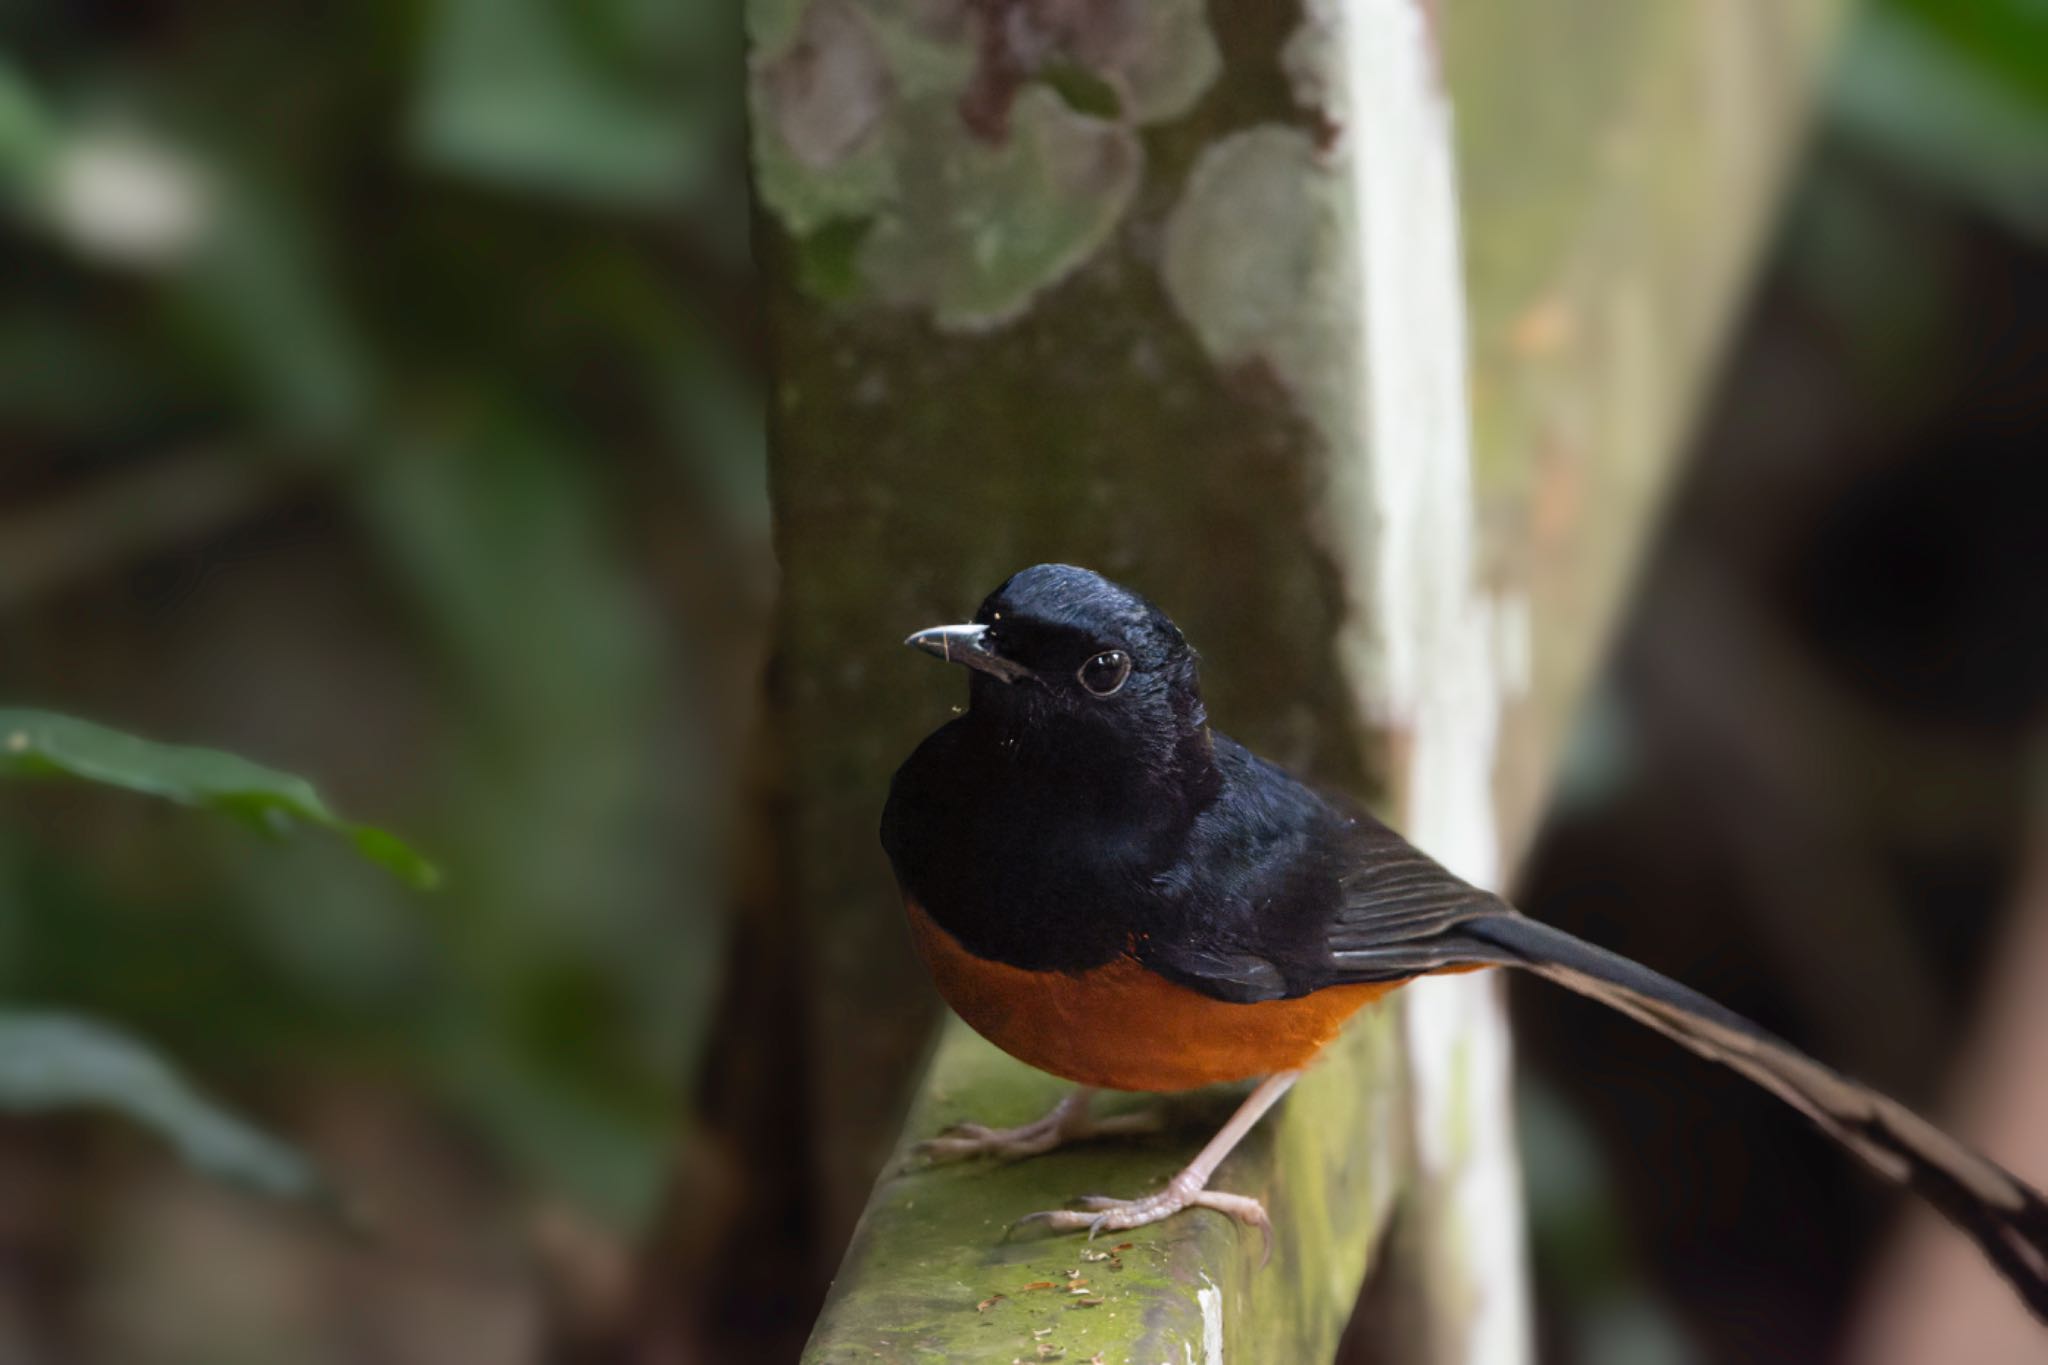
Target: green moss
column 1082, row 90
column 930, row 1248
column 827, row 259
column 922, row 1278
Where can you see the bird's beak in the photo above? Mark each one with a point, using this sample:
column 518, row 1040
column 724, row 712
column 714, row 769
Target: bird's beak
column 967, row 645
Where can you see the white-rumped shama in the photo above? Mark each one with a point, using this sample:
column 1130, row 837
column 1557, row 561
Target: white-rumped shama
column 1108, row 889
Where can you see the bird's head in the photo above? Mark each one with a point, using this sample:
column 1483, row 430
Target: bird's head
column 1060, row 655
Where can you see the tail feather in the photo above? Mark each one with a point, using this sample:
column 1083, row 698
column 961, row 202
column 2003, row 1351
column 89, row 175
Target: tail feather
column 2000, row 1212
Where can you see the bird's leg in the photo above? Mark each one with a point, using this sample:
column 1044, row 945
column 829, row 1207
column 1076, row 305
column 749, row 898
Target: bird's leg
column 1190, row 1189
column 1067, row 1121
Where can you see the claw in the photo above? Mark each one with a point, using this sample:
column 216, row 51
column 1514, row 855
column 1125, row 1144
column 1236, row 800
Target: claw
column 1096, row 1214
column 1048, row 1217
column 1068, row 1121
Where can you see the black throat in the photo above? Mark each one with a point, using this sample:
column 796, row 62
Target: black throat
column 1041, row 844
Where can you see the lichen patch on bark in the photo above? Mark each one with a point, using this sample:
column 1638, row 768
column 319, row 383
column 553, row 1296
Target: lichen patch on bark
column 960, row 156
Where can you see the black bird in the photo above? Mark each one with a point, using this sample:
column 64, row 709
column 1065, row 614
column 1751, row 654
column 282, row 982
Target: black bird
column 1108, row 889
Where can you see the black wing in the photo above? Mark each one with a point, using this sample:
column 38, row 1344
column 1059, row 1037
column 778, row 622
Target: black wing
column 1283, row 890
column 1398, row 910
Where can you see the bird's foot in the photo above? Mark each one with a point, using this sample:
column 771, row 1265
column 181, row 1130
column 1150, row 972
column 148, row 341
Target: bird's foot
column 1096, row 1214
column 1068, row 1121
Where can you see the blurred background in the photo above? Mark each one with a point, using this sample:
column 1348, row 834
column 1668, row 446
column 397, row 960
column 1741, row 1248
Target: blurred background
column 380, row 393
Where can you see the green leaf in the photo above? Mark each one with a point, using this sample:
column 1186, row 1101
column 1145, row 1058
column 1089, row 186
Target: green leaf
column 51, row 1062
column 525, row 93
column 27, row 141
column 1936, row 106
column 42, row 744
column 2005, row 41
column 263, row 307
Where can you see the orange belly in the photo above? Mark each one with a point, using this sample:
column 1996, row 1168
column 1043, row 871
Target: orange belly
column 1123, row 1027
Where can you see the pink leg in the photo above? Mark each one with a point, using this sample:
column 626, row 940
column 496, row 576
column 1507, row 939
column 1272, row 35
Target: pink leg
column 1189, row 1189
column 1067, row 1121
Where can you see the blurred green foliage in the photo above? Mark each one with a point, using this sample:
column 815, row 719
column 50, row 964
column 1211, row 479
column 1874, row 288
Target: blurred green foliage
column 1957, row 90
column 469, row 278
column 52, row 1062
column 622, row 102
column 41, row 744
column 2001, row 41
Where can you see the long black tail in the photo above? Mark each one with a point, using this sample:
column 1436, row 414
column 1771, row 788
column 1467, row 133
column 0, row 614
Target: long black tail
column 2005, row 1217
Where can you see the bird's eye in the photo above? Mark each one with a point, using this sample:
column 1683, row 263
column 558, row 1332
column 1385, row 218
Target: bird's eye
column 1106, row 672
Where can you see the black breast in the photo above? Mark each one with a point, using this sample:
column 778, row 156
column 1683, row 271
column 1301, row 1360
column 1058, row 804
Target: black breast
column 1049, row 871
